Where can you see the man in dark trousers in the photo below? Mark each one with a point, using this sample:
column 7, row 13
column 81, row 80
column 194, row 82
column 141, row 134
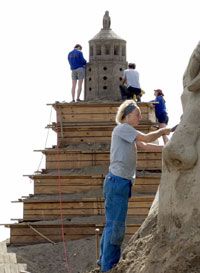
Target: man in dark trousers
column 122, row 172
column 132, row 87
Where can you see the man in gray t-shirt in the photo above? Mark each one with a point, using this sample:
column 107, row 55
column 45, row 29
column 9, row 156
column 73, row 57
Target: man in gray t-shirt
column 123, row 153
column 122, row 171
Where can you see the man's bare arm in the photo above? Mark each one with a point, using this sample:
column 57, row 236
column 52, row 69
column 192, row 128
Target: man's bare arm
column 152, row 136
column 149, row 147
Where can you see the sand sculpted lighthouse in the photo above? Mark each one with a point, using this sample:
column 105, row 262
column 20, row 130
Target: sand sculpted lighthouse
column 107, row 60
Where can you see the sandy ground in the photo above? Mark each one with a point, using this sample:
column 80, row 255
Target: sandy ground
column 50, row 258
column 146, row 252
column 150, row 252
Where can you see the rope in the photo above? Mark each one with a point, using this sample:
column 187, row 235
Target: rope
column 42, row 235
column 61, row 216
column 45, row 140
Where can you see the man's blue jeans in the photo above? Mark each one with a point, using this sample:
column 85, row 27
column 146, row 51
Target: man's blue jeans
column 117, row 191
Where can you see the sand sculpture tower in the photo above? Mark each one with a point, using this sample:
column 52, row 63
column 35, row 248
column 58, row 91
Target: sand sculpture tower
column 107, row 60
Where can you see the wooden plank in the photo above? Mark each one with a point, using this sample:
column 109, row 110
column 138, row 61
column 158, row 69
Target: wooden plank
column 86, row 133
column 98, row 106
column 98, row 117
column 85, row 117
column 141, row 164
column 51, row 210
column 22, row 234
column 96, row 112
column 141, row 176
column 56, row 230
column 64, row 159
column 79, row 181
column 134, row 198
column 54, row 214
column 27, row 240
column 48, row 189
column 87, row 183
column 95, row 126
column 36, row 215
column 78, row 204
column 79, row 155
column 88, row 136
column 51, row 189
column 99, row 156
column 45, row 185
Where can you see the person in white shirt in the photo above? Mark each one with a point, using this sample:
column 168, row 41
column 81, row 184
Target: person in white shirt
column 131, row 79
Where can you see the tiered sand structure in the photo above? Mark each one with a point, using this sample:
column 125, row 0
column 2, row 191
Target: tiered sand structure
column 68, row 192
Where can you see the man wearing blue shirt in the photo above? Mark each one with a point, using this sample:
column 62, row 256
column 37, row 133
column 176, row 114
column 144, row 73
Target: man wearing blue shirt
column 77, row 65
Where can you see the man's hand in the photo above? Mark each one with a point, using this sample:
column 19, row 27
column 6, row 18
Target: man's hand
column 165, row 131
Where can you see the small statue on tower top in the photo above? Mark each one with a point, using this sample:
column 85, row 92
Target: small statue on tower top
column 106, row 20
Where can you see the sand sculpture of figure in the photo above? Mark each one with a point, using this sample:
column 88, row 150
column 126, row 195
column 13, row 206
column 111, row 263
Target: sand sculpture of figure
column 169, row 240
column 106, row 20
column 181, row 157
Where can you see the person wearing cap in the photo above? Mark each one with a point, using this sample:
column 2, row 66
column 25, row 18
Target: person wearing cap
column 131, row 80
column 118, row 182
column 161, row 111
column 77, row 65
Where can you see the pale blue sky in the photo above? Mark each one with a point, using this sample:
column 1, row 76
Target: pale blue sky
column 35, row 39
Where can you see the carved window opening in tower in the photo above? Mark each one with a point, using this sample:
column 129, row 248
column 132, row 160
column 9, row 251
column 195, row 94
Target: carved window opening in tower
column 121, row 69
column 90, row 89
column 107, row 49
column 90, row 69
column 91, row 51
column 116, row 50
column 90, row 79
column 105, row 68
column 104, row 87
column 123, row 51
column 98, row 50
column 105, row 78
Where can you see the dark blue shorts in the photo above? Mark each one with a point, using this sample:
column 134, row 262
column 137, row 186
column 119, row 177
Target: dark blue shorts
column 162, row 118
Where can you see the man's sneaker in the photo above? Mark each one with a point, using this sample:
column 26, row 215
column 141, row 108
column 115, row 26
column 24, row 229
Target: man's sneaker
column 98, row 263
column 78, row 100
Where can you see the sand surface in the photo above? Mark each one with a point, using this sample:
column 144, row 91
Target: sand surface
column 80, row 256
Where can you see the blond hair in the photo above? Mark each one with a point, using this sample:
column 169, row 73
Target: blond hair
column 121, row 112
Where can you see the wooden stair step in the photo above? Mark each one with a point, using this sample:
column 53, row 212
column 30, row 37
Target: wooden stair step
column 46, row 209
column 42, row 232
column 66, row 159
column 97, row 112
column 84, row 133
column 72, row 184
